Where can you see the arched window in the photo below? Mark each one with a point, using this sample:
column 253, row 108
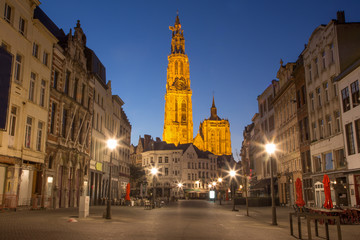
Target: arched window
column 212, row 141
column 176, row 110
column 183, row 111
column 184, row 133
column 176, row 67
column 181, row 68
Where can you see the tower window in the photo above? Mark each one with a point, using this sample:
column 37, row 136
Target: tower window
column 183, row 111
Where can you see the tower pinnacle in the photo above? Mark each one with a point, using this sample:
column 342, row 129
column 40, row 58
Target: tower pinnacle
column 178, row 41
column 214, row 115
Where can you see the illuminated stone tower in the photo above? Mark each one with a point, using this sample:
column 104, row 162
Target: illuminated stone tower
column 178, row 122
column 214, row 134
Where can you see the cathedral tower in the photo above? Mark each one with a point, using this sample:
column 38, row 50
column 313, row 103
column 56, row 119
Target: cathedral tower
column 178, row 122
column 214, row 134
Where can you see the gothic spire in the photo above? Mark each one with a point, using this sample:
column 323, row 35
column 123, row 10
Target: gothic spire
column 214, row 115
column 178, row 41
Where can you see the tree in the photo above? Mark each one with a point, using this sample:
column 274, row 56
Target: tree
column 136, row 174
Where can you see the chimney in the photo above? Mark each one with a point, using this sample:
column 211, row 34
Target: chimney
column 340, row 16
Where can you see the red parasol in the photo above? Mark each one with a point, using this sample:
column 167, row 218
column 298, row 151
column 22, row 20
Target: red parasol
column 127, row 197
column 299, row 197
column 328, row 203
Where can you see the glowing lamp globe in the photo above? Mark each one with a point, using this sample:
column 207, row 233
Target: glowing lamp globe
column 270, row 148
column 154, row 171
column 111, row 144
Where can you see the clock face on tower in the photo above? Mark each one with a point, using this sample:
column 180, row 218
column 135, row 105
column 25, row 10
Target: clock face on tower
column 180, row 83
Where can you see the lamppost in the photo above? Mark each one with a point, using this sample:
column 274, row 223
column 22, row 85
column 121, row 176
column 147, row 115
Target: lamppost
column 232, row 176
column 180, row 185
column 111, row 144
column 246, row 197
column 220, row 181
column 153, row 172
column 270, row 149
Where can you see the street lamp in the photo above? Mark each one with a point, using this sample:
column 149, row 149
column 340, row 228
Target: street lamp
column 153, row 172
column 180, row 185
column 232, row 176
column 111, row 144
column 270, row 149
column 220, row 181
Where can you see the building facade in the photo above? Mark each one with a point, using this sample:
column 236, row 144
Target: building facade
column 184, row 164
column 288, row 154
column 348, row 83
column 325, row 57
column 97, row 75
column 26, row 52
column 70, row 121
column 255, row 138
column 304, row 130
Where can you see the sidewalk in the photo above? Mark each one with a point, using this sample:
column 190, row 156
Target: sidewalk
column 263, row 215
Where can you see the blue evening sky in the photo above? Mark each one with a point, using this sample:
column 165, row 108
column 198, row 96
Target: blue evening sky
column 234, row 49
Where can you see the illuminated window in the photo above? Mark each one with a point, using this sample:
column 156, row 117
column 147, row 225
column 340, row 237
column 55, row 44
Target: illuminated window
column 321, row 124
column 45, row 58
column 328, row 119
column 318, row 91
column 42, row 93
column 32, row 87
column 355, row 93
column 12, row 125
column 350, row 138
column 39, row 136
column 345, row 99
column 183, row 111
column 35, row 52
column 326, row 90
column 18, row 62
column 29, row 121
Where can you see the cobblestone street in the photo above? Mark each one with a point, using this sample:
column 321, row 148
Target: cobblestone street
column 181, row 220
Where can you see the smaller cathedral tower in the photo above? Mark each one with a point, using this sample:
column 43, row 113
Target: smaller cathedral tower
column 214, row 134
